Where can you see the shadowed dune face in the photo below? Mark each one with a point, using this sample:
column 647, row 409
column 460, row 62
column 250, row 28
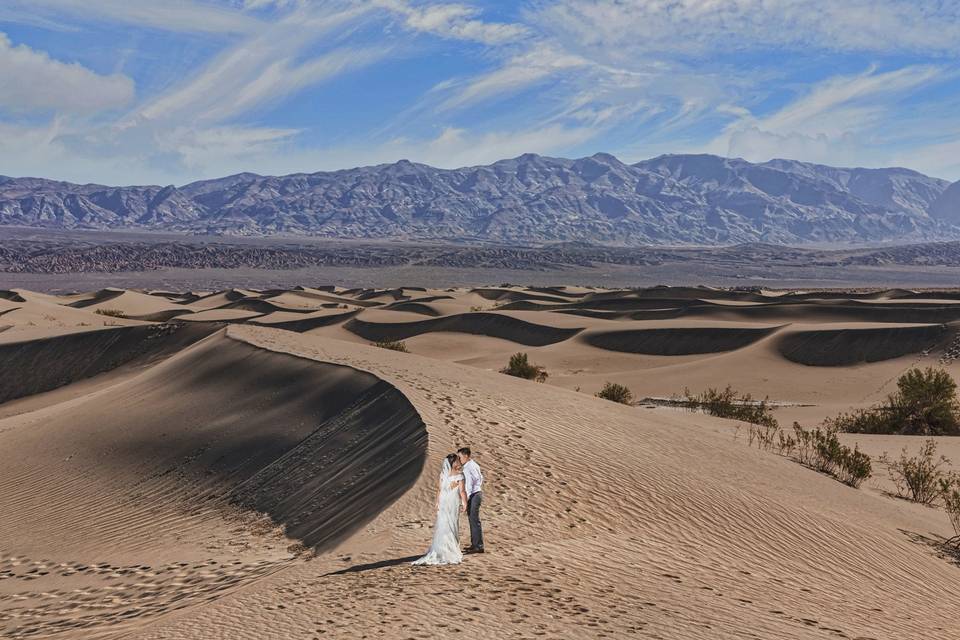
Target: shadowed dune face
column 310, row 321
column 677, row 342
column 488, row 324
column 35, row 366
column 305, row 442
column 159, row 502
column 845, row 347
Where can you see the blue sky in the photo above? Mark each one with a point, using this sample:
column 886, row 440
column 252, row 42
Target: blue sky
column 141, row 91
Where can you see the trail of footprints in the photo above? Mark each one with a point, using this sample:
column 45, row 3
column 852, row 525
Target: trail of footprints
column 92, row 596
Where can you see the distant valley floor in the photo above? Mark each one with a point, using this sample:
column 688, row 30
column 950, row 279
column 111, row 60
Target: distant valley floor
column 54, row 260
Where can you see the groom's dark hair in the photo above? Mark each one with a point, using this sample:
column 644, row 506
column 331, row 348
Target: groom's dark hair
column 464, row 450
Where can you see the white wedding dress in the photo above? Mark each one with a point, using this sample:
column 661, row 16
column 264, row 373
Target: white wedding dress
column 445, row 548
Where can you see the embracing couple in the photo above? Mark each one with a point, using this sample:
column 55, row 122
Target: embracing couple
column 460, row 491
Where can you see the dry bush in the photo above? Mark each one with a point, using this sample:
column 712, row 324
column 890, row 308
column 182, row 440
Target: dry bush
column 950, row 491
column 919, row 478
column 393, row 345
column 854, row 467
column 615, row 393
column 766, row 437
column 925, row 403
column 113, row 313
column 819, row 449
column 729, row 404
column 520, row 367
column 816, row 448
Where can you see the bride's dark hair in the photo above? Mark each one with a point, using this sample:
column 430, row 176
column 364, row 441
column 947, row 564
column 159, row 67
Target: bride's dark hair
column 452, row 458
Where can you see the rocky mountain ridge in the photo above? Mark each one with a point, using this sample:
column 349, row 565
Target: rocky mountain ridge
column 672, row 199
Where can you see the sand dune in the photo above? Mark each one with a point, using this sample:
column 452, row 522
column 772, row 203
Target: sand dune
column 86, row 354
column 164, row 487
column 307, row 321
column 678, row 341
column 293, row 439
column 857, row 344
column 488, row 324
column 221, row 315
column 131, row 304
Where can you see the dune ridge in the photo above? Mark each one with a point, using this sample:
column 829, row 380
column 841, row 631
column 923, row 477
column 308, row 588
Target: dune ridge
column 488, row 324
column 181, row 466
column 174, row 498
column 678, row 341
column 86, row 354
column 842, row 347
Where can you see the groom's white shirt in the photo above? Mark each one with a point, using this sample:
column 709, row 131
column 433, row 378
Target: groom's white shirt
column 472, row 478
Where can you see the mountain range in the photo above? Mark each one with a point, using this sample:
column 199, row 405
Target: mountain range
column 531, row 199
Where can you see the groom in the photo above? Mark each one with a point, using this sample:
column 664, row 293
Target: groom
column 473, row 484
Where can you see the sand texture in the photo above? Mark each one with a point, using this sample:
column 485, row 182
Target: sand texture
column 253, row 468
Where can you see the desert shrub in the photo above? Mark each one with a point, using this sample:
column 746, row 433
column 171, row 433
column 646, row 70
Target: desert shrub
column 950, row 490
column 925, row 403
column 393, row 345
column 615, row 393
column 764, row 436
column 520, row 367
column 729, row 404
column 821, row 449
column 476, row 308
column 919, row 478
column 854, row 467
column 786, row 444
column 113, row 313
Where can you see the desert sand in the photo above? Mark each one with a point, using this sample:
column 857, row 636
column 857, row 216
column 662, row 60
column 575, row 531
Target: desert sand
column 245, row 464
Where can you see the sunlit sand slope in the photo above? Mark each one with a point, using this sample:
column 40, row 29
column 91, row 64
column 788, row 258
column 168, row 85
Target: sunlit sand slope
column 602, row 521
column 193, row 478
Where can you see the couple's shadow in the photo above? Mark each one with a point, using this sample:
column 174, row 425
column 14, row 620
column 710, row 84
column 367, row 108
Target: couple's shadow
column 373, row 565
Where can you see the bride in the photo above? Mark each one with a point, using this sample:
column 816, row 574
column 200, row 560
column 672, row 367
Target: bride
column 451, row 502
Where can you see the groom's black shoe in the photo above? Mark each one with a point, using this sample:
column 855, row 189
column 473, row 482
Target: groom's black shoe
column 473, row 550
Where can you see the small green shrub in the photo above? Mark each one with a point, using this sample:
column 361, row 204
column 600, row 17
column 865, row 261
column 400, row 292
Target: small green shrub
column 919, row 478
column 520, row 367
column 393, row 345
column 729, row 404
column 816, row 448
column 925, row 403
column 615, row 393
column 854, row 467
column 113, row 313
column 950, row 490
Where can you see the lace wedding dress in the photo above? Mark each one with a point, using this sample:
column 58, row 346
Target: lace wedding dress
column 445, row 548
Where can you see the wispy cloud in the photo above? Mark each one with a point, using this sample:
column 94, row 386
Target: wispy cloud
column 450, row 85
column 32, row 80
column 828, row 122
column 515, row 74
column 623, row 28
column 454, row 20
column 185, row 16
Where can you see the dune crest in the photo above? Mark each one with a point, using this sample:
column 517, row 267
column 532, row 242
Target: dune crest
column 238, row 451
column 166, row 486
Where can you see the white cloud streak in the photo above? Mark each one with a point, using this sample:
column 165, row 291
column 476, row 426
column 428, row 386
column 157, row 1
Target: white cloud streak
column 827, row 124
column 263, row 68
column 453, row 21
column 515, row 74
column 182, row 16
column 32, row 80
column 623, row 28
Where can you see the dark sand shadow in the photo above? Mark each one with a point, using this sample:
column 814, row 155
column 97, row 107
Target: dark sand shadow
column 373, row 565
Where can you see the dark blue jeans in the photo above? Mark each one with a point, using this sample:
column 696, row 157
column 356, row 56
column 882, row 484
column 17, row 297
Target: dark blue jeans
column 473, row 514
